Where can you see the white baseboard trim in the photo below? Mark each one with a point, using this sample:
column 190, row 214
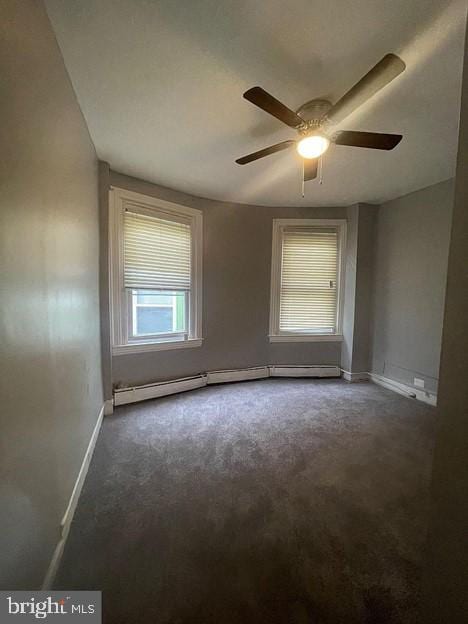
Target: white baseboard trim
column 403, row 389
column 353, row 377
column 159, row 389
column 241, row 374
column 72, row 503
column 305, row 371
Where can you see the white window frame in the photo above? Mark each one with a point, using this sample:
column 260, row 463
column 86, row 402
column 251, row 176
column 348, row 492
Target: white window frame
column 275, row 335
column 121, row 299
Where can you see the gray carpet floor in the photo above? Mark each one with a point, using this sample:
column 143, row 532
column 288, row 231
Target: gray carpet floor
column 273, row 501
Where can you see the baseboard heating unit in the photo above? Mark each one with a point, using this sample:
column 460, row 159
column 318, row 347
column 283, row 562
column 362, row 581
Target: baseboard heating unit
column 240, row 374
column 159, row 389
column 305, row 371
column 123, row 396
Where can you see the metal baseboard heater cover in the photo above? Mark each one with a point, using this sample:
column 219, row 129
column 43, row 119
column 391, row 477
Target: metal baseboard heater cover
column 123, row 396
column 159, row 389
column 305, row 371
column 240, row 374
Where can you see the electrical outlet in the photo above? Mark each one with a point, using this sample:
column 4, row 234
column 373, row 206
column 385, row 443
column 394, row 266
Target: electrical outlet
column 419, row 383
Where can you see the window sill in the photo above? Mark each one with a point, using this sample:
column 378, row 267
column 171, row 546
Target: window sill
column 144, row 347
column 306, row 338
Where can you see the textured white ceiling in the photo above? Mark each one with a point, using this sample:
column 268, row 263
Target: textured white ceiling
column 160, row 83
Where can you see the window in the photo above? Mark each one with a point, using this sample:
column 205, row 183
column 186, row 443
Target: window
column 156, row 313
column 306, row 280
column 155, row 273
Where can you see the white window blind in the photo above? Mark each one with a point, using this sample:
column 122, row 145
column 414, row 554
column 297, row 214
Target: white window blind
column 157, row 253
column 309, row 273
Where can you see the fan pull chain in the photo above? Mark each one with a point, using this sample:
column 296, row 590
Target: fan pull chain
column 303, row 181
column 320, row 170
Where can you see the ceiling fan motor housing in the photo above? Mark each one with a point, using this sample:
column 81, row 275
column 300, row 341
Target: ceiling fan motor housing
column 313, row 112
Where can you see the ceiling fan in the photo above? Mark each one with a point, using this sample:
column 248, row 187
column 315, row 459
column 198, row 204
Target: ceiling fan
column 312, row 121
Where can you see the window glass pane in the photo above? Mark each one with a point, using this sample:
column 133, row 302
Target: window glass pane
column 153, row 298
column 154, row 320
column 158, row 312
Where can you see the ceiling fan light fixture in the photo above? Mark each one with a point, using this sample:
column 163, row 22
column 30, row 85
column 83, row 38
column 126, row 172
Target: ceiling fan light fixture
column 313, row 146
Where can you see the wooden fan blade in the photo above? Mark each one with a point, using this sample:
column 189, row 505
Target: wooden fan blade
column 371, row 140
column 265, row 152
column 265, row 101
column 310, row 168
column 378, row 77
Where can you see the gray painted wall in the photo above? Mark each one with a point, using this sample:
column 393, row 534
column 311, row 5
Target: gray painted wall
column 412, row 241
column 236, row 294
column 50, row 358
column 364, row 283
column 446, row 574
column 104, row 275
column 358, row 288
column 352, row 215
